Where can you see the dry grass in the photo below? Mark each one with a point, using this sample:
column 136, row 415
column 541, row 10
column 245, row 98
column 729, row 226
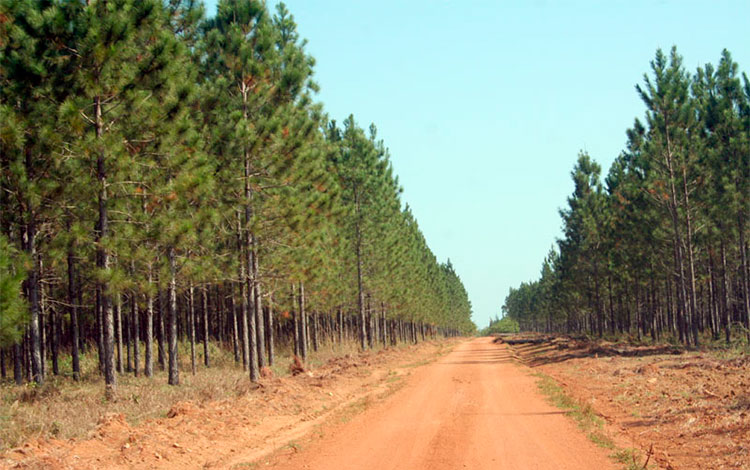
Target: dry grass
column 63, row 408
column 687, row 410
column 589, row 422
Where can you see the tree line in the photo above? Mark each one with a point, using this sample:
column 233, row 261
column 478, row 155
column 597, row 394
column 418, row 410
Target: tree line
column 659, row 248
column 499, row 325
column 167, row 177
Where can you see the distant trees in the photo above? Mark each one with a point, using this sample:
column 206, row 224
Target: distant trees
column 500, row 326
column 660, row 247
column 168, row 178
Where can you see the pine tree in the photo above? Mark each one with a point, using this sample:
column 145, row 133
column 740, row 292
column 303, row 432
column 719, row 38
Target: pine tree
column 668, row 146
column 124, row 51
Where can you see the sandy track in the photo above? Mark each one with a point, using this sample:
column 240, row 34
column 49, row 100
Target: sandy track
column 474, row 408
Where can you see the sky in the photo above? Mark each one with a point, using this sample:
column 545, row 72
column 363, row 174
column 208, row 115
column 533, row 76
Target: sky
column 485, row 105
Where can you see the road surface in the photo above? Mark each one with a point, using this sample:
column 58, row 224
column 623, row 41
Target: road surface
column 474, row 408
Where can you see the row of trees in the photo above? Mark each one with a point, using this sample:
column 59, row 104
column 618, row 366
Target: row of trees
column 660, row 247
column 165, row 177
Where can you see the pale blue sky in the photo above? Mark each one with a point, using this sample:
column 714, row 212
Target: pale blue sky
column 485, row 105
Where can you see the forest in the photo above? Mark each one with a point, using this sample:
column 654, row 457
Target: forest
column 168, row 179
column 658, row 249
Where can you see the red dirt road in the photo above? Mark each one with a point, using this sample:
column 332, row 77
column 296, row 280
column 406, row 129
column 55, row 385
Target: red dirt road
column 473, row 408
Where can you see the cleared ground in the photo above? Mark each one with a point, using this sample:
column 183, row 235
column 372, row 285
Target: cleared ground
column 690, row 409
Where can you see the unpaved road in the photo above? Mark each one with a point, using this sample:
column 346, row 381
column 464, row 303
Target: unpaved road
column 473, row 408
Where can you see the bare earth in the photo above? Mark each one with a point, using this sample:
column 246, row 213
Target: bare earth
column 474, row 407
column 691, row 409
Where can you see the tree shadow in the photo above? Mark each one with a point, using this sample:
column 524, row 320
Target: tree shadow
column 532, row 353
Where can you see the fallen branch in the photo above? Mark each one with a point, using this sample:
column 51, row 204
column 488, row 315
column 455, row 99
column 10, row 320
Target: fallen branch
column 648, row 456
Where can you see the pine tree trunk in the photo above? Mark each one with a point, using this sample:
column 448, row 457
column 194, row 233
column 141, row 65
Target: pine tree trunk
column 118, row 333
column 252, row 332
column 252, row 358
column 713, row 298
column 691, row 262
column 18, row 363
column 652, row 305
column 244, row 323
column 73, row 310
column 160, row 332
column 235, row 332
column 54, row 330
column 384, row 325
column 360, row 287
column 248, row 246
column 597, row 297
column 269, row 330
column 128, row 339
column 105, row 303
column 744, row 274
column 55, row 339
column 42, row 325
column 174, row 372
column 315, row 331
column 303, row 322
column 683, row 303
column 260, row 327
column 191, row 326
column 204, row 311
column 295, row 323
column 134, row 312
column 258, row 305
column 222, row 320
column 725, row 294
column 27, row 355
column 99, row 327
column 340, row 325
column 32, row 294
column 149, row 359
column 368, row 319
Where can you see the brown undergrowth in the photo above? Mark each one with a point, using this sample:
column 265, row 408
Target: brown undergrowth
column 63, row 409
column 690, row 409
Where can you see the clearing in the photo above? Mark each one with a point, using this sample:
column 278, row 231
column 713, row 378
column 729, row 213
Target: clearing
column 690, row 409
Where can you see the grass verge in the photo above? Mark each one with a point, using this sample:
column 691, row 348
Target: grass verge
column 590, row 423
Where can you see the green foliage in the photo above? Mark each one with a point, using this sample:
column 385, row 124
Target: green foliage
column 13, row 309
column 501, row 326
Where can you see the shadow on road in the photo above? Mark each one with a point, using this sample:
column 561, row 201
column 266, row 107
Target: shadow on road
column 491, row 355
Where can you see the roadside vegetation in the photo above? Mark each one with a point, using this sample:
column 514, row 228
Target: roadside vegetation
column 591, row 424
column 500, row 326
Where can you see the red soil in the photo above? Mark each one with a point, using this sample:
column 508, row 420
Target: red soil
column 475, row 408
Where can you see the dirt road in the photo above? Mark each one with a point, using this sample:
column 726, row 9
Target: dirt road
column 474, row 408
